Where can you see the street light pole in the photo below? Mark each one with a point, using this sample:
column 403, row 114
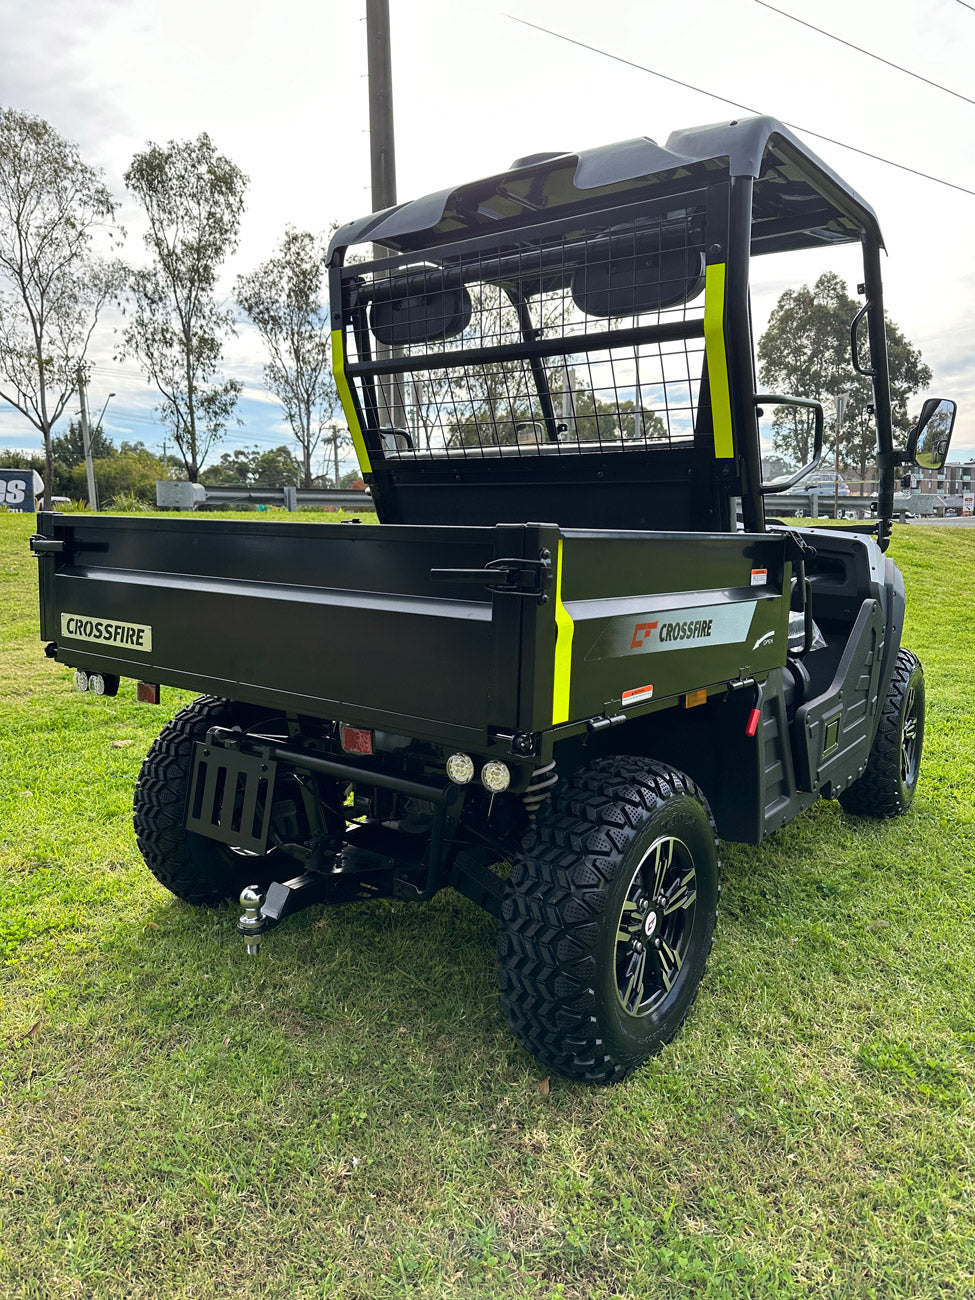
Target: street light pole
column 86, row 438
column 98, row 422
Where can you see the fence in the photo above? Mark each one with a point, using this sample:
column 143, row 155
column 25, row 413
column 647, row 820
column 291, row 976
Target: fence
column 180, row 495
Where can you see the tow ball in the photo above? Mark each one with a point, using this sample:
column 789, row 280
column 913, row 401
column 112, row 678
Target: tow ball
column 251, row 923
column 328, row 879
column 262, row 912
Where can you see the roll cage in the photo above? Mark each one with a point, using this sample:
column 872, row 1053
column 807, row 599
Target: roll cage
column 571, row 340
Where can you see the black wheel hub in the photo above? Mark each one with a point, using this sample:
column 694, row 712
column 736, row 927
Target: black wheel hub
column 654, row 928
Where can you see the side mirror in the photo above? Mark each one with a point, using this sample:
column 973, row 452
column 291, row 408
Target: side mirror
column 927, row 447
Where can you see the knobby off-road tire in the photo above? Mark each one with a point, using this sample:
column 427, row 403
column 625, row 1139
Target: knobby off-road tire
column 894, row 763
column 196, row 869
column 609, row 918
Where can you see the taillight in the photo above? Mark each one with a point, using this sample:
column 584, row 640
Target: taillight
column 355, row 740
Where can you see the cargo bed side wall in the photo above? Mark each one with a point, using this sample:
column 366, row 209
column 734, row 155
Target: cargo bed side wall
column 655, row 615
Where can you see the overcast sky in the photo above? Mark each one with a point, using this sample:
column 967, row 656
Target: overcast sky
column 281, row 90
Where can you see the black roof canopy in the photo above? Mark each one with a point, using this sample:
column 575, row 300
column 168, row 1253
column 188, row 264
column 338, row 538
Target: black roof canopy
column 799, row 202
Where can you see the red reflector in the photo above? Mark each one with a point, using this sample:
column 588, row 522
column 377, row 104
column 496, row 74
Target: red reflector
column 355, row 740
column 753, row 718
column 147, row 692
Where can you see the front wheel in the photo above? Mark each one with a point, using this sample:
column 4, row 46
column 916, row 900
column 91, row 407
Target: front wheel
column 894, row 763
column 608, row 919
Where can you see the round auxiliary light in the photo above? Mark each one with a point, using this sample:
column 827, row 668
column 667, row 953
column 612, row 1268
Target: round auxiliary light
column 81, row 680
column 460, row 768
column 96, row 684
column 495, row 776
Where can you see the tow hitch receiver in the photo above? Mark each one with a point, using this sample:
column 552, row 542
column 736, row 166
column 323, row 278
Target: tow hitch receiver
column 262, row 913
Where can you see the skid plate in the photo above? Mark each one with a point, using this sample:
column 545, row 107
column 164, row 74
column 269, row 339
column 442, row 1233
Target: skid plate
column 231, row 795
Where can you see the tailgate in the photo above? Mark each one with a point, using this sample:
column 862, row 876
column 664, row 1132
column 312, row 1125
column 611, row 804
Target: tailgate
column 340, row 621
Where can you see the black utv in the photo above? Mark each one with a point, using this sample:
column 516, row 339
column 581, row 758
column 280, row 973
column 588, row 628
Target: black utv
column 560, row 668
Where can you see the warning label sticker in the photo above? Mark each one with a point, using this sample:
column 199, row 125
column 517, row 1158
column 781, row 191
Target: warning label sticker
column 106, row 631
column 637, row 694
column 759, row 577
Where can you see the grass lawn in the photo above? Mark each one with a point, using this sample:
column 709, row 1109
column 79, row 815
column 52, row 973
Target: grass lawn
column 348, row 1117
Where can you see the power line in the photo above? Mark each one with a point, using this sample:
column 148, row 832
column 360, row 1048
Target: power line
column 966, row 6
column 869, row 53
column 686, row 85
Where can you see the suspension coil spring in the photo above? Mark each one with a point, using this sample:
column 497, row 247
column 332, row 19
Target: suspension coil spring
column 540, row 787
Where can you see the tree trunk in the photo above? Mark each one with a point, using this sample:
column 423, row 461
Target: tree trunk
column 48, row 468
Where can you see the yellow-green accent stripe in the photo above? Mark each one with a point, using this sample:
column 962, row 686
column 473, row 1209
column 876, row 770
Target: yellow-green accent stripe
column 348, row 406
column 564, row 629
column 724, row 441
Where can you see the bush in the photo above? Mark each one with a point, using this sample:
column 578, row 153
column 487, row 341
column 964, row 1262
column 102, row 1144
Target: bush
column 131, row 473
column 128, row 503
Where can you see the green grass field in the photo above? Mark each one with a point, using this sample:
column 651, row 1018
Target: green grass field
column 348, row 1116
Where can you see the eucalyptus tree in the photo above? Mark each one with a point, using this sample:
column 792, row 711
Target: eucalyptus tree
column 193, row 199
column 285, row 300
column 806, row 350
column 55, row 212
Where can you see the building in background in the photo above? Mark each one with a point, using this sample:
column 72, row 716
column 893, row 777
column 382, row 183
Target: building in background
column 956, row 479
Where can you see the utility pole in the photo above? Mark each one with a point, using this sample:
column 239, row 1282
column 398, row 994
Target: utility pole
column 381, row 148
column 86, row 438
column 382, row 157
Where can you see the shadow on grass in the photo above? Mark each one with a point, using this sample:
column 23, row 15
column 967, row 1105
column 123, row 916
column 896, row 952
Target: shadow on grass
column 386, row 989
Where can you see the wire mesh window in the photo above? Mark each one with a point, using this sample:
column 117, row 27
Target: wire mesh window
column 590, row 341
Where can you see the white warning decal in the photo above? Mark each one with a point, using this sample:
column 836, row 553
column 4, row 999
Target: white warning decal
column 759, row 577
column 106, row 631
column 637, row 694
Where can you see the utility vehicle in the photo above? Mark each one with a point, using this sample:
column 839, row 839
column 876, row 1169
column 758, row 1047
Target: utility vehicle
column 558, row 669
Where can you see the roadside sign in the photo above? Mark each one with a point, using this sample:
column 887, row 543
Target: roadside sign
column 20, row 488
column 968, row 503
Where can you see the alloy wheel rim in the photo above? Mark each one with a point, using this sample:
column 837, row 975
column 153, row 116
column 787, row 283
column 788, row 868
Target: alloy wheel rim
column 910, row 734
column 654, row 927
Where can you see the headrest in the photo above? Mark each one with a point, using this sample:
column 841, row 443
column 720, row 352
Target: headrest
column 407, row 313
column 628, row 274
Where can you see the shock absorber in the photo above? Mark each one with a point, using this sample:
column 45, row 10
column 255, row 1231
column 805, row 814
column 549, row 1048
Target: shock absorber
column 540, row 787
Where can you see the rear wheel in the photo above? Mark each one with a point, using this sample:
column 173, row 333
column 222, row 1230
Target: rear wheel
column 893, row 766
column 609, row 918
column 194, row 868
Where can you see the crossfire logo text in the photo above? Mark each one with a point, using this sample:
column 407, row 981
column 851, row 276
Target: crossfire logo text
column 689, row 630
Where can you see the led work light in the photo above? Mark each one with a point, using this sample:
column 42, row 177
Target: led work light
column 460, row 768
column 495, row 776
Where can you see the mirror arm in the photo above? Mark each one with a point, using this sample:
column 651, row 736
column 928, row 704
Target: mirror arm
column 776, row 399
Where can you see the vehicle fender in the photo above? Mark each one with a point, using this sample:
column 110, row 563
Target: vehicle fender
column 896, row 605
